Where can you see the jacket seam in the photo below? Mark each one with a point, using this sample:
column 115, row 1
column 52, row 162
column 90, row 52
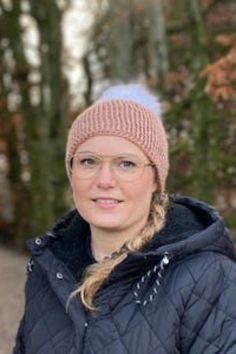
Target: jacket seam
column 196, row 282
column 118, row 331
column 203, row 338
column 50, row 340
column 213, row 306
column 42, row 317
column 155, row 334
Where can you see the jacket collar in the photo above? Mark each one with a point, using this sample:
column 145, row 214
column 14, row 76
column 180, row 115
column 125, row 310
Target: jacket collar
column 191, row 226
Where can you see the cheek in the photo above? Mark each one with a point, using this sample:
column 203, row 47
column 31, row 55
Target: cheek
column 140, row 191
column 80, row 197
column 79, row 190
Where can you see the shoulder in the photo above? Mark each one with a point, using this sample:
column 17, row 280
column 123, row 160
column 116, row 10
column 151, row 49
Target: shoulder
column 35, row 280
column 205, row 266
column 208, row 310
column 199, row 279
column 206, row 283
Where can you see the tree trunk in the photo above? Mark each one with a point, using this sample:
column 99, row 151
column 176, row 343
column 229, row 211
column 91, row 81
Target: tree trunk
column 158, row 48
column 120, row 44
column 18, row 70
column 43, row 125
column 201, row 106
column 52, row 110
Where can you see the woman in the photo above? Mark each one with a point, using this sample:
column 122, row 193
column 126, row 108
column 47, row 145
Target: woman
column 129, row 270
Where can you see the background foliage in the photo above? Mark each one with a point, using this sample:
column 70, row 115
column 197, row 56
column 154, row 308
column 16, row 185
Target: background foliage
column 185, row 50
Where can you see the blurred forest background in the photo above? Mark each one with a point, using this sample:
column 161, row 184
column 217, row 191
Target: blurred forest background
column 185, row 50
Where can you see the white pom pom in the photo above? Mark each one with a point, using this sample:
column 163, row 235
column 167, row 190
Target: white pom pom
column 136, row 93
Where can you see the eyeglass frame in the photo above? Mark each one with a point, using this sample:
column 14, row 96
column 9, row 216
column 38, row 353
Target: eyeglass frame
column 101, row 158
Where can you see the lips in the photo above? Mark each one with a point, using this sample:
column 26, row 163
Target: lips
column 106, row 201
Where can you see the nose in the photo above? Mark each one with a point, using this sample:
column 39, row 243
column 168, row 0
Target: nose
column 105, row 178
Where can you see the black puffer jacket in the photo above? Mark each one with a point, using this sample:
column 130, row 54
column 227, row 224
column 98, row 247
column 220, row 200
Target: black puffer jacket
column 176, row 296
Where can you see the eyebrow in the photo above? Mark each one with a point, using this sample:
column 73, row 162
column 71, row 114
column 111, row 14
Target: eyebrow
column 118, row 155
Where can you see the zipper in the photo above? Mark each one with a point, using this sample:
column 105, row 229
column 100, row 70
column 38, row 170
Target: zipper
column 86, row 325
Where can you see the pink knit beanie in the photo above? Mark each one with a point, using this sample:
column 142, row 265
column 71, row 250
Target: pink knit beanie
column 129, row 111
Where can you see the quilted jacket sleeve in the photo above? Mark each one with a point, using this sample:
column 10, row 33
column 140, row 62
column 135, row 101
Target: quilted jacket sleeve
column 209, row 321
column 19, row 347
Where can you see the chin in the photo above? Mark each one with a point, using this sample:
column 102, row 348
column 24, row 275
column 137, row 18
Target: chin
column 105, row 223
column 103, row 218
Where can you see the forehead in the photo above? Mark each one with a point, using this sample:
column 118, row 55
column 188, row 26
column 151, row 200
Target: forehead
column 110, row 145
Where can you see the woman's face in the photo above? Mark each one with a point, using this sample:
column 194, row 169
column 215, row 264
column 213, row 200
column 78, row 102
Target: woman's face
column 106, row 201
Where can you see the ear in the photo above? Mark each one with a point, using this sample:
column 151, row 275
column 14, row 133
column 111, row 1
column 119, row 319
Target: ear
column 71, row 184
column 69, row 168
column 156, row 185
column 71, row 180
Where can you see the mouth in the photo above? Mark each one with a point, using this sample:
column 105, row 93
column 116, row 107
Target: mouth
column 106, row 202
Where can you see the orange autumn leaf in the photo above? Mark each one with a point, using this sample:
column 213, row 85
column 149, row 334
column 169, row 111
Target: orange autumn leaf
column 221, row 77
column 225, row 39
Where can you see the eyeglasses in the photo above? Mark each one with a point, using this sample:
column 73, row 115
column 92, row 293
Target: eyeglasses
column 126, row 167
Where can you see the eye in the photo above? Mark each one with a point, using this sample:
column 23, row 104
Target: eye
column 86, row 161
column 128, row 164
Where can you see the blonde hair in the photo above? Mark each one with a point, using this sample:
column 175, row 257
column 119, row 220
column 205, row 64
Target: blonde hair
column 96, row 274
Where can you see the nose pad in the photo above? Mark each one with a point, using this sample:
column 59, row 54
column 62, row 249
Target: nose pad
column 105, row 176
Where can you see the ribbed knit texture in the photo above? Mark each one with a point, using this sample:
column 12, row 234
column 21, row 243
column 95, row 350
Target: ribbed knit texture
column 126, row 119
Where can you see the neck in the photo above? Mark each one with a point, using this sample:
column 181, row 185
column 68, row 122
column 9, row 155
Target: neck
column 105, row 242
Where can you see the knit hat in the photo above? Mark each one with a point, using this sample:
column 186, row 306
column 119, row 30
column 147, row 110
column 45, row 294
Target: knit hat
column 129, row 111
